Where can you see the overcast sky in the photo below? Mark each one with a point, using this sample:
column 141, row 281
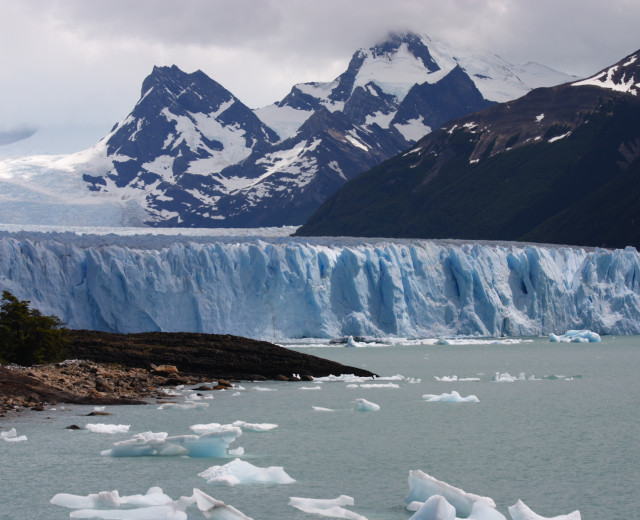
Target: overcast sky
column 82, row 62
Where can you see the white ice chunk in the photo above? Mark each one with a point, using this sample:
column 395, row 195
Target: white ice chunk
column 422, row 486
column 110, row 499
column 254, row 427
column 435, row 508
column 520, row 511
column 209, row 444
column 187, row 405
column 310, row 387
column 241, row 472
column 575, row 336
column 453, row 397
column 331, row 507
column 374, row 385
column 322, row 409
column 366, row 406
column 155, row 505
column 108, row 428
column 12, row 436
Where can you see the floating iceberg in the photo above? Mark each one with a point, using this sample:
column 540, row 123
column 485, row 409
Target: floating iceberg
column 373, row 385
column 520, row 511
column 331, row 507
column 575, row 336
column 187, row 405
column 453, row 397
column 154, row 505
column 111, row 499
column 422, row 486
column 366, row 406
column 454, row 379
column 108, row 428
column 322, row 409
column 12, row 436
column 243, row 425
column 209, row 444
column 254, row 427
column 241, row 472
column 435, row 508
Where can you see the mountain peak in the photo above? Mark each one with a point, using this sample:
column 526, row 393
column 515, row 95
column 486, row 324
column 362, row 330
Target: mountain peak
column 624, row 76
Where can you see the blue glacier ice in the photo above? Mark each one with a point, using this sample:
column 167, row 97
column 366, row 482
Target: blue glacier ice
column 276, row 288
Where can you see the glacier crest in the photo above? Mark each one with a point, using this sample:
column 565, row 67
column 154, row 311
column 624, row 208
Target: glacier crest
column 281, row 288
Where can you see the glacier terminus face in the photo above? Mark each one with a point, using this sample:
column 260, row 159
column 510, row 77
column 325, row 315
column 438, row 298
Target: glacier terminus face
column 279, row 288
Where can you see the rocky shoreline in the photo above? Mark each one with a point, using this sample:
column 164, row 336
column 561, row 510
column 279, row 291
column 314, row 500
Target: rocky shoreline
column 113, row 369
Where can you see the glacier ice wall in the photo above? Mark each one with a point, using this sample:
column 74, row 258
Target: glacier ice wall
column 279, row 288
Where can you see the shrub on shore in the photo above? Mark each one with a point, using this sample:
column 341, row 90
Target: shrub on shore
column 28, row 337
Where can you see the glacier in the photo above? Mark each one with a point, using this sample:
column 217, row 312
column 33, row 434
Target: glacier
column 278, row 288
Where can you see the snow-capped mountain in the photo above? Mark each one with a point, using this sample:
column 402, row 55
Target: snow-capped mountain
column 558, row 165
column 192, row 154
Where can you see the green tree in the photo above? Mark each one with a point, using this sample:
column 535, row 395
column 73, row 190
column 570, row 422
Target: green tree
column 28, row 337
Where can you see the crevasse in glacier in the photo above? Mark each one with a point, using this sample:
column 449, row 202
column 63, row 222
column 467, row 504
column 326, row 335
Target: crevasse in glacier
column 279, row 288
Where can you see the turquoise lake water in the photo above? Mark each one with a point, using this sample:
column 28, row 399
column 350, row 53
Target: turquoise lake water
column 564, row 441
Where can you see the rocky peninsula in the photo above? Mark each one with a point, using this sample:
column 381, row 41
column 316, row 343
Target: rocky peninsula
column 107, row 368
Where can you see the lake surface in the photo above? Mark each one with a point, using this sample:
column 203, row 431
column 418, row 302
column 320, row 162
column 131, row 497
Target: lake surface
column 564, row 441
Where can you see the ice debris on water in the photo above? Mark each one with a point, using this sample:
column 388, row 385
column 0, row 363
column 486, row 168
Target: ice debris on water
column 154, row 505
column 209, row 444
column 575, row 336
column 363, row 405
column 330, row 507
column 107, row 428
column 243, row 425
column 432, row 499
column 453, row 397
column 520, row 511
column 242, row 472
column 12, row 436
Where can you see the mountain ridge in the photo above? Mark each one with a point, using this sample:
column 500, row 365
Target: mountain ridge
column 544, row 168
column 192, row 154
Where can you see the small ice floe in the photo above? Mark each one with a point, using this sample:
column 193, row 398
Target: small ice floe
column 241, row 472
column 318, row 387
column 373, row 385
column 243, row 425
column 331, row 507
column 353, row 343
column 12, row 436
column 98, row 408
column 322, row 409
column 414, row 380
column 454, row 379
column 575, row 336
column 153, row 505
column 209, row 444
column 423, row 486
column 453, row 397
column 264, row 389
column 506, row 377
column 109, row 429
column 520, row 511
column 254, row 427
column 363, row 405
column 187, row 405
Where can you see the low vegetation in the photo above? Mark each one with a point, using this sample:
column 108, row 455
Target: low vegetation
column 28, row 337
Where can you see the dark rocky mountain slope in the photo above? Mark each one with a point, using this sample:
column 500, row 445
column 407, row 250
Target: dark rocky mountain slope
column 559, row 165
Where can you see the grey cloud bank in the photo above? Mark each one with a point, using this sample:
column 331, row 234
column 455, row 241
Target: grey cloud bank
column 77, row 64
